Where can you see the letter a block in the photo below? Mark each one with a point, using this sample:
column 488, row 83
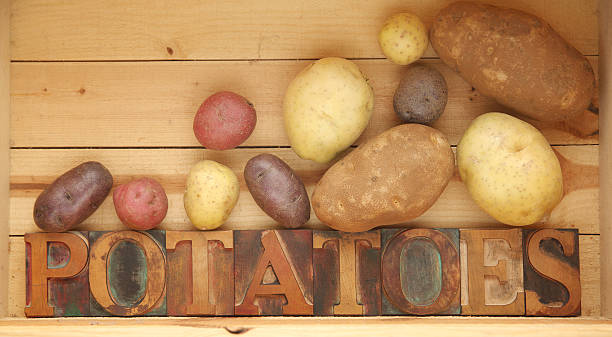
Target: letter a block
column 127, row 273
column 492, row 272
column 273, row 272
column 420, row 272
column 346, row 273
column 552, row 272
column 200, row 273
column 57, row 274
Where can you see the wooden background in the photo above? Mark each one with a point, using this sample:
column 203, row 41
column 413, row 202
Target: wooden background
column 120, row 81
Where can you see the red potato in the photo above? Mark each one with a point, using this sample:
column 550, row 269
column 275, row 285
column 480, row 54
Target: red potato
column 141, row 204
column 224, row 121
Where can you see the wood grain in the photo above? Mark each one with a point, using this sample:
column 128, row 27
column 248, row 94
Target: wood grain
column 33, row 170
column 605, row 72
column 145, row 30
column 137, row 104
column 5, row 119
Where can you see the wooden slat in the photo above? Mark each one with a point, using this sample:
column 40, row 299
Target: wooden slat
column 605, row 71
column 4, row 149
column 146, row 30
column 589, row 276
column 33, row 170
column 136, row 104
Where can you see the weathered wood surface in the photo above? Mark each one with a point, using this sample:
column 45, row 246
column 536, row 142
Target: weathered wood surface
column 5, row 112
column 492, row 272
column 200, row 278
column 420, row 272
column 273, row 273
column 154, row 103
column 144, row 30
column 127, row 273
column 551, row 267
column 33, row 170
column 346, row 273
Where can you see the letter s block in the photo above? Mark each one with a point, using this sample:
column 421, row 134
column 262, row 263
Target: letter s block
column 552, row 272
column 127, row 273
column 56, row 274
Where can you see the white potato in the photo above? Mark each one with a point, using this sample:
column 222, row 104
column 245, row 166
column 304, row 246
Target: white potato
column 403, row 38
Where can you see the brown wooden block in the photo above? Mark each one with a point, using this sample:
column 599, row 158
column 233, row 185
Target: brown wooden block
column 346, row 273
column 200, row 273
column 492, row 272
column 273, row 272
column 127, row 273
column 56, row 274
column 552, row 272
column 420, row 272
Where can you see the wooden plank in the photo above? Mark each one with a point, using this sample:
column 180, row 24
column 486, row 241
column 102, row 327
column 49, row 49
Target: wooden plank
column 589, row 277
column 145, row 30
column 4, row 149
column 137, row 104
column 605, row 72
column 300, row 326
column 33, row 170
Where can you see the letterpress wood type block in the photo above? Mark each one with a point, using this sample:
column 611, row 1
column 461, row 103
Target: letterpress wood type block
column 273, row 272
column 200, row 273
column 552, row 272
column 57, row 274
column 127, row 273
column 420, row 271
column 492, row 272
column 346, row 273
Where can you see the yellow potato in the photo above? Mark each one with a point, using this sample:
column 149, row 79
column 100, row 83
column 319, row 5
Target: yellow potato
column 211, row 194
column 403, row 38
column 326, row 107
column 509, row 169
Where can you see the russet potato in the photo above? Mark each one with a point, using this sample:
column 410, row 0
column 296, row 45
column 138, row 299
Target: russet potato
column 509, row 169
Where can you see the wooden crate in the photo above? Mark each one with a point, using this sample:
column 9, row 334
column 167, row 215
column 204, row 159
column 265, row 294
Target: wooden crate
column 119, row 82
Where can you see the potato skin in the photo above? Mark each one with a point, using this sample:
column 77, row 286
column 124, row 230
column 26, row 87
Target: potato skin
column 326, row 108
column 277, row 190
column 393, row 178
column 421, row 95
column 403, row 38
column 212, row 191
column 72, row 197
column 141, row 204
column 514, row 57
column 224, row 121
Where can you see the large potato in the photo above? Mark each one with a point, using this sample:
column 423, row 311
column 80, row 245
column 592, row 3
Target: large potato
column 514, row 57
column 211, row 193
column 72, row 197
column 326, row 107
column 277, row 190
column 391, row 179
column 509, row 169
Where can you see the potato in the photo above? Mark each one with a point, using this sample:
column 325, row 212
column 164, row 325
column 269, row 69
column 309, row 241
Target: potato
column 516, row 58
column 141, row 204
column 211, row 193
column 403, row 38
column 72, row 197
column 277, row 190
column 509, row 169
column 393, row 178
column 421, row 95
column 326, row 107
column 224, row 121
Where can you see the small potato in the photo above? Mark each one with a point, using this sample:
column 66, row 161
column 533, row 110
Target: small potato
column 141, row 204
column 277, row 190
column 403, row 38
column 421, row 95
column 224, row 121
column 72, row 197
column 211, row 194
